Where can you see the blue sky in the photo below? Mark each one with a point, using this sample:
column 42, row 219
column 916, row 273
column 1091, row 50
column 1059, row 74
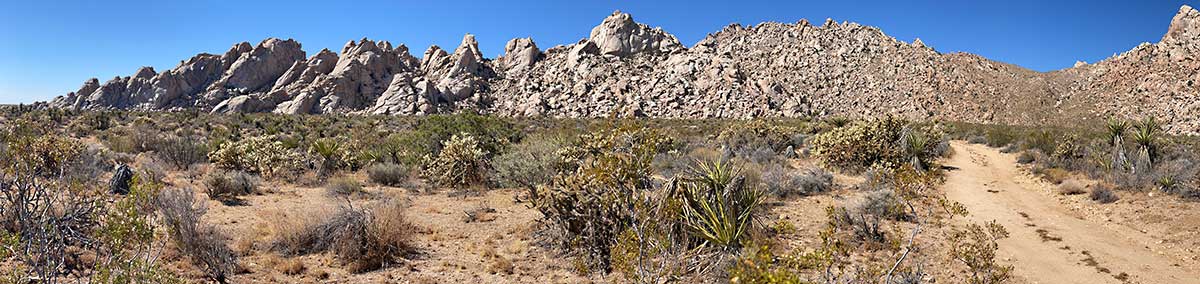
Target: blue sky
column 48, row 48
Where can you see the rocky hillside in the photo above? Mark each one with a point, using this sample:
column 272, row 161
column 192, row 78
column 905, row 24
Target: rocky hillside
column 625, row 68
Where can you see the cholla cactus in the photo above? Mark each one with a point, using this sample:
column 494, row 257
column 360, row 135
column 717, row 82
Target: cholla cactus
column 460, row 163
column 257, row 154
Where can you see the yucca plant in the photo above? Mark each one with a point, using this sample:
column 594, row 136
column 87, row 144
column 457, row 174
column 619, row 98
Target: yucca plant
column 1116, row 133
column 718, row 204
column 1145, row 135
column 914, row 146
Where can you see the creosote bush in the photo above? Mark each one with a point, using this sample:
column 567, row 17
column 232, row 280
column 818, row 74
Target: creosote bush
column 389, row 174
column 976, row 247
column 181, row 153
column 887, row 142
column 530, row 163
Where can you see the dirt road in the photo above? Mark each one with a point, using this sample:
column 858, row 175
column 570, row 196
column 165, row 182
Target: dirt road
column 1049, row 243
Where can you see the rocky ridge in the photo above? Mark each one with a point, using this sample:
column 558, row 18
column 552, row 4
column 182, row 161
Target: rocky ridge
column 625, row 68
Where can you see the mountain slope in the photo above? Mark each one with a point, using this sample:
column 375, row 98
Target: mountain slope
column 629, row 69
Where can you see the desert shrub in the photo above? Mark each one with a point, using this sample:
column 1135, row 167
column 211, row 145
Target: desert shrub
column 343, row 186
column 976, row 247
column 125, row 243
column 718, row 204
column 1071, row 187
column 364, row 239
column 222, row 185
column 1026, row 157
column 43, row 156
column 257, row 155
column 859, row 146
column 586, row 205
column 782, row 181
column 760, row 141
column 1052, row 175
column 332, row 155
column 203, row 243
column 529, row 163
column 864, row 228
column 181, row 153
column 492, row 134
column 46, row 219
column 977, row 139
column 388, row 174
column 883, row 204
column 1103, row 194
column 460, row 163
column 759, row 266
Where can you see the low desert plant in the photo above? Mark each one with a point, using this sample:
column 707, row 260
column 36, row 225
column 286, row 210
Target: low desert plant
column 529, row 163
column 783, row 181
column 1071, row 187
column 388, row 174
column 343, row 186
column 976, row 247
column 718, row 204
column 364, row 239
column 1103, row 194
column 220, row 184
column 263, row 155
column 181, row 153
column 203, row 243
column 460, row 163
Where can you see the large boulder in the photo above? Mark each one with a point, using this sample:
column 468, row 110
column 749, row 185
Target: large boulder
column 619, row 35
column 520, row 54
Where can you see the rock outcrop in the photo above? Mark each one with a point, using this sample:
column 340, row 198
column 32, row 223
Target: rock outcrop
column 625, row 68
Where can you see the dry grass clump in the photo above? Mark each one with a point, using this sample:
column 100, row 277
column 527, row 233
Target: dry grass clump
column 1071, row 187
column 226, row 185
column 363, row 239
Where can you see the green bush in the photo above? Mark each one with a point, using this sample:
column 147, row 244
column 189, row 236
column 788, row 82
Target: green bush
column 492, row 134
column 532, row 162
column 388, row 174
column 181, row 153
column 460, row 163
column 343, row 187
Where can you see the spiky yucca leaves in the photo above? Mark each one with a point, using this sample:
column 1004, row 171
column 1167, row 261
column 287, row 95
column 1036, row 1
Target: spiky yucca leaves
column 1145, row 135
column 718, row 203
column 332, row 154
column 914, row 143
column 1116, row 133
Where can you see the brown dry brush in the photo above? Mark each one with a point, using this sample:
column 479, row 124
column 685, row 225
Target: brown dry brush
column 364, row 239
column 203, row 243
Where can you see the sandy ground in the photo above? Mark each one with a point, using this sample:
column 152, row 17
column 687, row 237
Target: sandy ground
column 1069, row 239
